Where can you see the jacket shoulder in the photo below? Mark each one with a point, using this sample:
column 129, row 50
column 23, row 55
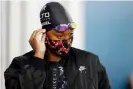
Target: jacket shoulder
column 83, row 52
column 85, row 55
column 22, row 59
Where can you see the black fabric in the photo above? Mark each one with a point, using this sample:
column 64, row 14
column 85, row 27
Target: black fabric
column 56, row 78
column 53, row 14
column 38, row 62
column 83, row 70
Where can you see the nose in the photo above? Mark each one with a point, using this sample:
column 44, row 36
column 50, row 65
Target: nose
column 65, row 37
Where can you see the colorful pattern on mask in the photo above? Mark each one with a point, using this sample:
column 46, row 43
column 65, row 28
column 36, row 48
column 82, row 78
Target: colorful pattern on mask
column 61, row 47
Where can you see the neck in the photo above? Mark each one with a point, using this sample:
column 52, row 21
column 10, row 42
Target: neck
column 53, row 57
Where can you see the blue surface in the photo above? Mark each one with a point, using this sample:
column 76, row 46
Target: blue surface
column 109, row 34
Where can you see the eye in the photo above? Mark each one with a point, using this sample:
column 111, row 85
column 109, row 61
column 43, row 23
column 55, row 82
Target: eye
column 59, row 36
column 71, row 34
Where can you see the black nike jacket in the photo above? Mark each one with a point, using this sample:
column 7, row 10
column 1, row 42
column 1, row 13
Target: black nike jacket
column 83, row 71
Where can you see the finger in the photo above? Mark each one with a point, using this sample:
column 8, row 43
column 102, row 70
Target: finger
column 32, row 35
column 36, row 31
column 39, row 32
column 43, row 37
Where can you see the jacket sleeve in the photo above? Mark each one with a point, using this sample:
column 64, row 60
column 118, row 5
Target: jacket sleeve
column 103, row 80
column 20, row 75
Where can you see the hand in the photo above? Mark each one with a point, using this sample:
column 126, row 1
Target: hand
column 37, row 44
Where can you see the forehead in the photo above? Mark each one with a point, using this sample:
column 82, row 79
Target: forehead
column 55, row 31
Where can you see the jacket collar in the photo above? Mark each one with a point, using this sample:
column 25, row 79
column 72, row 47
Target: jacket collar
column 72, row 66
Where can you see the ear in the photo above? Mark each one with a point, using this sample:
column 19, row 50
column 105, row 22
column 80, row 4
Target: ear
column 46, row 39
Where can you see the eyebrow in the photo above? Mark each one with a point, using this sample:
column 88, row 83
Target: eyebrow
column 58, row 32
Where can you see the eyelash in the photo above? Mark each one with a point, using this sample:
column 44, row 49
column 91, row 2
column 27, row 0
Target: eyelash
column 71, row 34
column 59, row 36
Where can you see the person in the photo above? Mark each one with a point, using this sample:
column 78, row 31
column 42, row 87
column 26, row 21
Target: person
column 53, row 63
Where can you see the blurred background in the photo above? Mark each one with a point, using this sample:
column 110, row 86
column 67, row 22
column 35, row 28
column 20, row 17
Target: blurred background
column 103, row 27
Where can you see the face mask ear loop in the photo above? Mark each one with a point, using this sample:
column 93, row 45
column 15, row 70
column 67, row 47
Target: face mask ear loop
column 46, row 39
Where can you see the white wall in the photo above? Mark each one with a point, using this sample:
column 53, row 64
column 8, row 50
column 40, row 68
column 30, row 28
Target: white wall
column 19, row 19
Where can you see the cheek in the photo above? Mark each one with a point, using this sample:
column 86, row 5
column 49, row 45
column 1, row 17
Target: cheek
column 70, row 42
column 51, row 37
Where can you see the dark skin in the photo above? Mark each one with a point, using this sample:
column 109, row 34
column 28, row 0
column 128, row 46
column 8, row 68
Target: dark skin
column 39, row 46
column 56, row 35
